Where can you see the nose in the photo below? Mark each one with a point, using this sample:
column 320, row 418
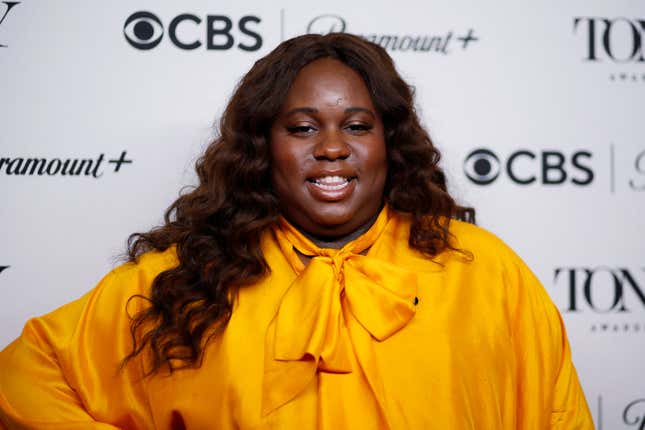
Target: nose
column 332, row 146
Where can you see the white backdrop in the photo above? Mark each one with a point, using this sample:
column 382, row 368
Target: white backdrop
column 554, row 102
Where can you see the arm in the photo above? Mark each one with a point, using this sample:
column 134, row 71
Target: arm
column 63, row 371
column 570, row 409
column 33, row 390
column 549, row 390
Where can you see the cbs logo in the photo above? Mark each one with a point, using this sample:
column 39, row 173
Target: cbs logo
column 144, row 30
column 482, row 166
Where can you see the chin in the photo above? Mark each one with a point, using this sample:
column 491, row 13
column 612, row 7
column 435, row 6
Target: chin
column 339, row 221
column 336, row 221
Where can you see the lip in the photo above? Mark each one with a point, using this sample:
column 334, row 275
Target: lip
column 328, row 193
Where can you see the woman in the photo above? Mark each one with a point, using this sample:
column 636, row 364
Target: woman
column 313, row 279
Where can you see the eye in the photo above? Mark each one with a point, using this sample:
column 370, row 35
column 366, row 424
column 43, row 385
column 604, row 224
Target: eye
column 358, row 128
column 482, row 166
column 301, row 129
column 143, row 30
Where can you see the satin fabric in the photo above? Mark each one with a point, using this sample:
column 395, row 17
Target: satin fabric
column 337, row 290
column 374, row 335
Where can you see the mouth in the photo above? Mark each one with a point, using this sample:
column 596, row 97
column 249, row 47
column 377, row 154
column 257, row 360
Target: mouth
column 331, row 188
column 331, row 183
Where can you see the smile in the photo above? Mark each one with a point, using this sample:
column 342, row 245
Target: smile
column 331, row 188
column 331, row 183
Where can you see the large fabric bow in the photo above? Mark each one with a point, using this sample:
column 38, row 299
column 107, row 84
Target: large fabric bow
column 309, row 331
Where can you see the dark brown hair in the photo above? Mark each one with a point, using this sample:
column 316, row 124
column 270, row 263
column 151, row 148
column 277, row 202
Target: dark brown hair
column 216, row 227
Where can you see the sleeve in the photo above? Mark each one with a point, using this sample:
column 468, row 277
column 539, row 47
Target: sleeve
column 549, row 390
column 63, row 371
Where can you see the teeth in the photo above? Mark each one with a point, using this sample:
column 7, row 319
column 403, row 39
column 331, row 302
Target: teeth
column 331, row 180
column 331, row 183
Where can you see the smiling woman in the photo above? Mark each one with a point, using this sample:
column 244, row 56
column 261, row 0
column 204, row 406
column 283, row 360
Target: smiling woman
column 318, row 276
column 328, row 151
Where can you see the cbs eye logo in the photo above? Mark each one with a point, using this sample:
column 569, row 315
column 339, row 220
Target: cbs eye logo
column 144, row 30
column 482, row 166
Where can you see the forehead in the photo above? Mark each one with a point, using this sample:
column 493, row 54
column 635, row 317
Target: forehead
column 328, row 81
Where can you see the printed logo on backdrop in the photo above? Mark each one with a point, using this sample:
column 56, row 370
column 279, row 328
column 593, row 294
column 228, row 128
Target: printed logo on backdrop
column 616, row 295
column 525, row 167
column 618, row 42
column 4, row 12
column 482, row 166
column 628, row 174
column 440, row 43
column 42, row 166
column 144, row 30
column 3, row 268
column 637, row 180
column 634, row 414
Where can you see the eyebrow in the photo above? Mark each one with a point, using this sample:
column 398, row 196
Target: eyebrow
column 314, row 110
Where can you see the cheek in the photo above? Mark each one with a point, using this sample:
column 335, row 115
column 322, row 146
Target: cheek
column 377, row 160
column 286, row 165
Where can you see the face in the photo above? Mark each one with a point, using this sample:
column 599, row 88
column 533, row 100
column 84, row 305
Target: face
column 328, row 155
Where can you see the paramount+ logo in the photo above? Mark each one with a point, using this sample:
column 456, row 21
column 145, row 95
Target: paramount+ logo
column 634, row 414
column 439, row 43
column 144, row 30
column 525, row 167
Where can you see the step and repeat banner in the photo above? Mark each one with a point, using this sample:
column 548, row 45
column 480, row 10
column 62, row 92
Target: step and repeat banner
column 538, row 109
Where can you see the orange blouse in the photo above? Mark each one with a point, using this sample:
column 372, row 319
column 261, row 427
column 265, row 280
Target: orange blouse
column 388, row 339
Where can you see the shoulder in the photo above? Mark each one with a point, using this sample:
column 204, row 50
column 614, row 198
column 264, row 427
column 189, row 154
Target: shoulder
column 471, row 244
column 498, row 265
column 145, row 269
column 128, row 287
column 475, row 251
column 484, row 246
column 116, row 288
column 109, row 301
column 488, row 262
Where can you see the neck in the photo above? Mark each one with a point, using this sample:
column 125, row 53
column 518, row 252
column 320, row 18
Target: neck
column 340, row 241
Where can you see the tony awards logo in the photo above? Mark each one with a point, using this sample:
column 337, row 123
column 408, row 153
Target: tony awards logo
column 8, row 5
column 619, row 40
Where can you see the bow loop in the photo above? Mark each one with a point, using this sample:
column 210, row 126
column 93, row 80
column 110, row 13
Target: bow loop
column 309, row 318
column 308, row 333
column 381, row 296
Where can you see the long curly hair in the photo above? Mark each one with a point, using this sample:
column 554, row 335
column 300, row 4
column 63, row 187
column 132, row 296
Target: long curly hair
column 216, row 226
